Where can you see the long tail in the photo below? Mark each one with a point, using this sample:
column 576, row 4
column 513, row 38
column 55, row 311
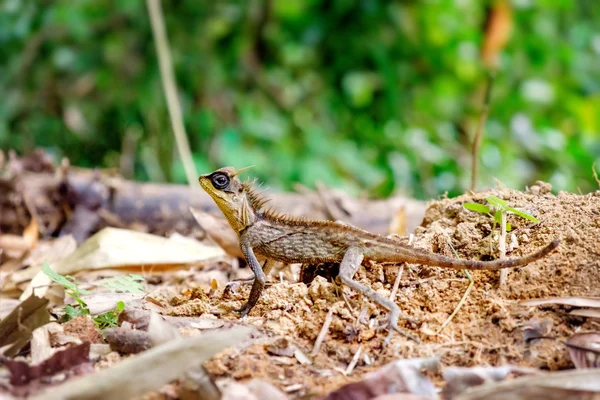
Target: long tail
column 420, row 257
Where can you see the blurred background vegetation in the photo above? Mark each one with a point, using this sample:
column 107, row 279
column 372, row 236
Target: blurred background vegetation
column 373, row 96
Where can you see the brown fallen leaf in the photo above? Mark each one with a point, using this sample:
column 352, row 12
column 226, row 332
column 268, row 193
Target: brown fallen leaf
column 593, row 302
column 459, row 379
column 584, row 349
column 17, row 327
column 402, row 376
column 256, row 389
column 118, row 248
column 219, row 231
column 22, row 373
column 562, row 385
column 149, row 370
column 586, row 312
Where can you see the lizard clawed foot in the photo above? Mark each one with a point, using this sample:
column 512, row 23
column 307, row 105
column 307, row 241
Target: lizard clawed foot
column 243, row 281
column 392, row 324
column 245, row 309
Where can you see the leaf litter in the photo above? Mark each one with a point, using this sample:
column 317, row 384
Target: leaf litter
column 187, row 284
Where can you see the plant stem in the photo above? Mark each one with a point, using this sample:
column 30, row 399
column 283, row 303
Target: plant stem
column 479, row 132
column 502, row 247
column 170, row 88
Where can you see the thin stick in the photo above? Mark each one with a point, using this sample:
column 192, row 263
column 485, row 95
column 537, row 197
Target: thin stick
column 479, row 132
column 595, row 173
column 397, row 283
column 464, row 297
column 502, row 248
column 170, row 89
column 322, row 333
column 353, row 362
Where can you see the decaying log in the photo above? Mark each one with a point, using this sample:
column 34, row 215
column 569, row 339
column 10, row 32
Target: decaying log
column 67, row 200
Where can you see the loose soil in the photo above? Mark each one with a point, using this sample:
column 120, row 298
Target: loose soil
column 491, row 328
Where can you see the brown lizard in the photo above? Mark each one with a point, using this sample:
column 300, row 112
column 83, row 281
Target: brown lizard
column 276, row 237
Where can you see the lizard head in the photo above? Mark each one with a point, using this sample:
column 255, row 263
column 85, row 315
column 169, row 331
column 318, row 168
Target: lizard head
column 231, row 196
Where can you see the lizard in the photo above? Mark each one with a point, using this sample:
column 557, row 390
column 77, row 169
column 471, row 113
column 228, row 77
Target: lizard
column 279, row 237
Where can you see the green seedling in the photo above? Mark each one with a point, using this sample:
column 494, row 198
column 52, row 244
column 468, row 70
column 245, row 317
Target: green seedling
column 131, row 283
column 498, row 210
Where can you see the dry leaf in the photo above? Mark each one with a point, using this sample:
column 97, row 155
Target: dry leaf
column 402, row 376
column 562, row 385
column 586, row 312
column 459, row 379
column 31, row 233
column 498, row 27
column 121, row 248
column 219, row 231
column 584, row 349
column 17, row 327
column 147, row 371
column 593, row 302
column 114, row 248
column 22, row 373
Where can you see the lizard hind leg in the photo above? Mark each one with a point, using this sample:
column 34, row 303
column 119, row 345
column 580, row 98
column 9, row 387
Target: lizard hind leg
column 350, row 264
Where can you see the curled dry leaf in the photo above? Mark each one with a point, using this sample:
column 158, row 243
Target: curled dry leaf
column 563, row 385
column 460, row 379
column 584, row 349
column 402, row 376
column 586, row 312
column 149, row 370
column 593, row 302
column 17, row 327
column 22, row 373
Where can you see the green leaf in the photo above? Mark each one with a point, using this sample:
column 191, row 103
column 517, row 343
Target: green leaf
column 508, row 227
column 480, row 208
column 125, row 284
column 522, row 214
column 58, row 278
column 109, row 318
column 498, row 217
column 68, row 282
column 496, row 202
column 73, row 312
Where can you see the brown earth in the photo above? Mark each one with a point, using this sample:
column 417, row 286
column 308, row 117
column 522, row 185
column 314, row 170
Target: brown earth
column 491, row 328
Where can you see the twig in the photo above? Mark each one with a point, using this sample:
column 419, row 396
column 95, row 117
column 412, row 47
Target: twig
column 479, row 132
column 168, row 81
column 353, row 362
column 595, row 173
column 397, row 283
column 464, row 297
column 400, row 271
column 322, row 333
column 502, row 248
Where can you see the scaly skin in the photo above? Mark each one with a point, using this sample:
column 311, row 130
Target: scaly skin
column 291, row 239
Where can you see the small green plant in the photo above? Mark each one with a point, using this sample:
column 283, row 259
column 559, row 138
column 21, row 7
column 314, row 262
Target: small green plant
column 131, row 283
column 497, row 207
column 121, row 284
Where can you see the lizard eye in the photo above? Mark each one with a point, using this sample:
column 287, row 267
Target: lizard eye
column 220, row 181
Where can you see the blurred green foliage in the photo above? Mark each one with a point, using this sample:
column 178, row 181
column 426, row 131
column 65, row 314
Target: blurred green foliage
column 374, row 96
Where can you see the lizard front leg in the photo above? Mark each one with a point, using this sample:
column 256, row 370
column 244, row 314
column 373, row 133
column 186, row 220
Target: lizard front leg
column 259, row 280
column 350, row 264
